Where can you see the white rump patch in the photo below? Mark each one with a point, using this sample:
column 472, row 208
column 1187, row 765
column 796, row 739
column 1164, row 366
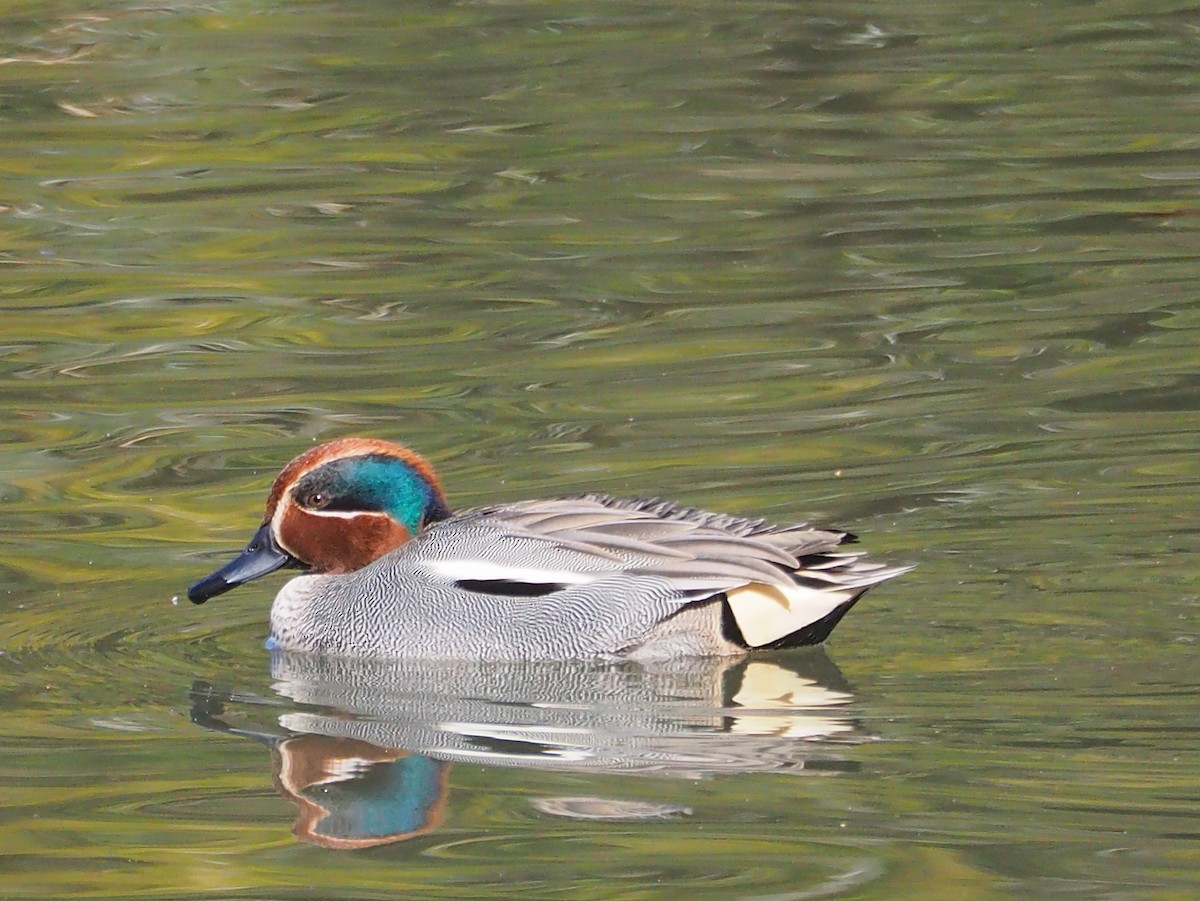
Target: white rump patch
column 766, row 613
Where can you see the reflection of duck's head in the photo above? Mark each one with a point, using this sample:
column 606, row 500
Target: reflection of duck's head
column 352, row 794
column 393, row 573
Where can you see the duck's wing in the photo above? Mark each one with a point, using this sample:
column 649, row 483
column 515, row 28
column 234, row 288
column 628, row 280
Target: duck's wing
column 783, row 585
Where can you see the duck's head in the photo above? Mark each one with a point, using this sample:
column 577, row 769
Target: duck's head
column 334, row 509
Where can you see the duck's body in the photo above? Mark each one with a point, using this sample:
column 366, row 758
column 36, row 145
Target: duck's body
column 397, row 575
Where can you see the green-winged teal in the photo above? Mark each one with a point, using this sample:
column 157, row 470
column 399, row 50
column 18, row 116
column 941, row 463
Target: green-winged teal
column 392, row 572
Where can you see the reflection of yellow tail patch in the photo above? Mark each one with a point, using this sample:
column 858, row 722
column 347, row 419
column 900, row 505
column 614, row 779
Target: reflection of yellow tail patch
column 768, row 687
column 766, row 613
column 765, row 685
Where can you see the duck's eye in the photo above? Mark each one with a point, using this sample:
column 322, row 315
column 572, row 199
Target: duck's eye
column 314, row 500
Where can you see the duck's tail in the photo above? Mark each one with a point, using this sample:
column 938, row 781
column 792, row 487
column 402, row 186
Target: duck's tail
column 825, row 586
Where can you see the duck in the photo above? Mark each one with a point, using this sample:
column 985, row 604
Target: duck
column 390, row 571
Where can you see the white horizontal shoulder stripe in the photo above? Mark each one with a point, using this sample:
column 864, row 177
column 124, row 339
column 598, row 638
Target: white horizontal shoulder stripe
column 483, row 570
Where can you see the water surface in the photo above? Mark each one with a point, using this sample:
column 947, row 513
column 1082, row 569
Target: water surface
column 928, row 272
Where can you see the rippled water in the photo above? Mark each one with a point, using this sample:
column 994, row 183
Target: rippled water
column 928, row 272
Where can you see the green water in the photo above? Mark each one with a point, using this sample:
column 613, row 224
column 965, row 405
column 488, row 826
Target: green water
column 925, row 271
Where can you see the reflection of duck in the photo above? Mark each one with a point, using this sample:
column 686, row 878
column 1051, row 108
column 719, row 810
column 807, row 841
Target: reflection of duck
column 366, row 745
column 395, row 574
column 689, row 717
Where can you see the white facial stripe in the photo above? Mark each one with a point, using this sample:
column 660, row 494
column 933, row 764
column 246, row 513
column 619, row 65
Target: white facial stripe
column 485, row 571
column 341, row 514
column 277, row 516
column 277, row 521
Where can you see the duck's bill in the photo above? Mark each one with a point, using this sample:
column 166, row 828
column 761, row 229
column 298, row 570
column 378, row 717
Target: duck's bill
column 261, row 556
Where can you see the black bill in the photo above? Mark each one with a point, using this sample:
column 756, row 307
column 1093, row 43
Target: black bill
column 261, row 556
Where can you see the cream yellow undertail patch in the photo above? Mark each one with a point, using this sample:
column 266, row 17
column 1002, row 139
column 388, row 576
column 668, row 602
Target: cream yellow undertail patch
column 766, row 613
